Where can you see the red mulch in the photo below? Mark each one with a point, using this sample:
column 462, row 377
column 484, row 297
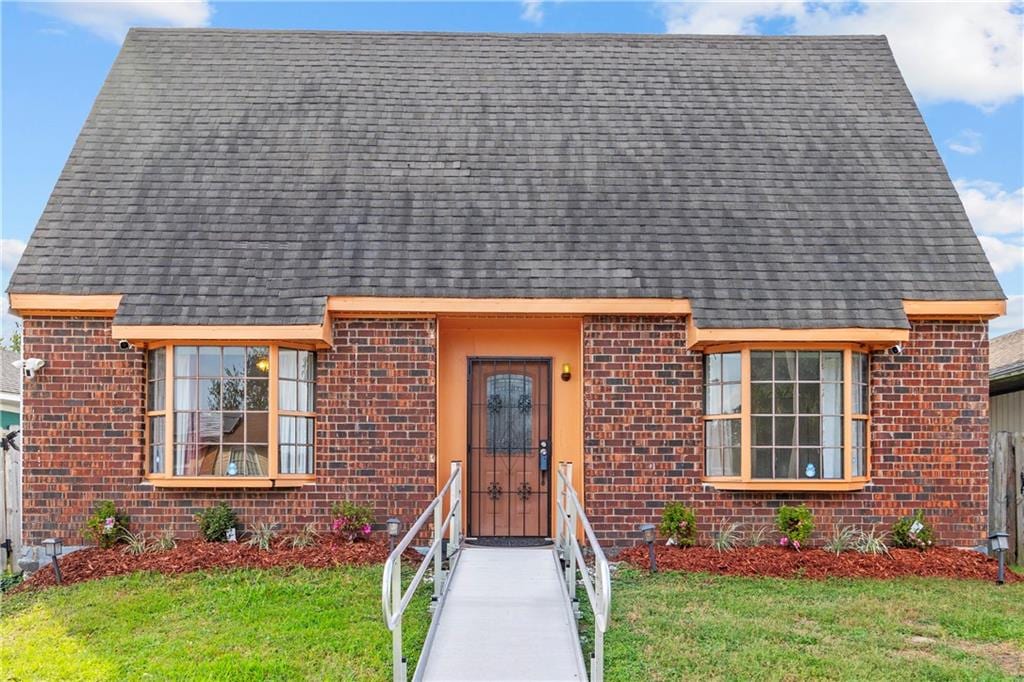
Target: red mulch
column 196, row 555
column 778, row 562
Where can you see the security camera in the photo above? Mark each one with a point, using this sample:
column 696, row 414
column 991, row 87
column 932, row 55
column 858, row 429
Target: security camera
column 125, row 344
column 30, row 366
column 896, row 350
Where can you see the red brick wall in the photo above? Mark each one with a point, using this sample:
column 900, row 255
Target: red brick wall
column 643, row 435
column 83, row 432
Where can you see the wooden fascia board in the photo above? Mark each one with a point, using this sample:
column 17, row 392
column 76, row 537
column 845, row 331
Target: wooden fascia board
column 508, row 306
column 316, row 334
column 65, row 305
column 955, row 310
column 698, row 338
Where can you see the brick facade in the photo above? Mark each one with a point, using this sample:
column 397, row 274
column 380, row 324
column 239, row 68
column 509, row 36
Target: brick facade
column 83, row 432
column 929, row 410
column 376, row 400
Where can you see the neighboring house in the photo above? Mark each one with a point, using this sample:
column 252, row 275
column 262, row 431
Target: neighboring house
column 730, row 271
column 10, row 390
column 1006, row 382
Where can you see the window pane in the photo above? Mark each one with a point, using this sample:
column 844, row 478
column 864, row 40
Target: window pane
column 286, row 398
column 730, row 398
column 185, row 391
column 832, row 366
column 761, row 398
column 859, row 459
column 307, row 365
column 157, row 442
column 713, row 397
column 810, row 400
column 762, row 464
column 832, row 431
column 810, row 430
column 713, row 434
column 210, row 427
column 731, row 462
column 305, row 397
column 233, row 394
column 186, row 361
column 234, row 361
column 209, row 394
column 286, row 429
column 289, row 362
column 256, row 428
column 762, row 427
column 784, row 398
column 256, row 394
column 186, row 427
column 157, row 364
column 257, row 361
column 860, row 399
column 785, row 463
column 860, row 428
column 785, row 431
column 244, row 460
column 233, row 427
column 785, row 366
column 731, row 432
column 731, row 367
column 209, row 361
column 810, row 463
column 761, row 365
column 832, row 463
column 831, row 398
column 157, row 395
column 809, row 366
column 714, row 368
column 860, row 367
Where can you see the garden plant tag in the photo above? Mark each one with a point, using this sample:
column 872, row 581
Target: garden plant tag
column 916, row 527
column 230, row 535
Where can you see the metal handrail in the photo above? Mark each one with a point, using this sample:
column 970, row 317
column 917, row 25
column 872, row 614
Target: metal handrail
column 599, row 590
column 393, row 600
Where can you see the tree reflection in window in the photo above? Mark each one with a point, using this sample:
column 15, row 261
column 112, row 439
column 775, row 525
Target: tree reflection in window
column 509, row 414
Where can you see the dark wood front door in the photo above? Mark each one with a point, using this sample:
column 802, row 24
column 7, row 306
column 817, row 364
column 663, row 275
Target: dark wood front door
column 509, row 424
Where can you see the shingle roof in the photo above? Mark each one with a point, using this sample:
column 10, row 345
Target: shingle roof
column 241, row 176
column 1006, row 354
column 10, row 376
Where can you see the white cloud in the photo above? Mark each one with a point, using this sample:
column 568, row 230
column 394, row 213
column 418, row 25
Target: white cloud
column 967, row 142
column 1012, row 320
column 111, row 20
column 992, row 209
column 1003, row 255
column 10, row 254
column 969, row 52
column 533, row 11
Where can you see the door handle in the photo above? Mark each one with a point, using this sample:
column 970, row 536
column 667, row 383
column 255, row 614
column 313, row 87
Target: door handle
column 544, row 458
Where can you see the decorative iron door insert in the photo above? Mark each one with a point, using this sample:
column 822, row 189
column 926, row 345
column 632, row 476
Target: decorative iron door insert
column 509, row 436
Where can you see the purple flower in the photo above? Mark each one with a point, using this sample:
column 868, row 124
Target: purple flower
column 108, row 524
column 783, row 541
column 336, row 525
column 366, row 529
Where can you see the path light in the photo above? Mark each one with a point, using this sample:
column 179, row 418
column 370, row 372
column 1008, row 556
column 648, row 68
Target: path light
column 647, row 534
column 999, row 543
column 394, row 525
column 53, row 548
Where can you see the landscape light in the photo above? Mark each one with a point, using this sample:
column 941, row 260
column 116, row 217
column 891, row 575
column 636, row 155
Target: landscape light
column 648, row 534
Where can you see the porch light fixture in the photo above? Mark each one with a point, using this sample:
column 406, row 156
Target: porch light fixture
column 53, row 548
column 263, row 363
column 394, row 525
column 566, row 371
column 999, row 543
column 647, row 534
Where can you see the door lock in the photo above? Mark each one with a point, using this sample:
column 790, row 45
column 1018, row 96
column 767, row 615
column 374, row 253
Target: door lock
column 545, row 455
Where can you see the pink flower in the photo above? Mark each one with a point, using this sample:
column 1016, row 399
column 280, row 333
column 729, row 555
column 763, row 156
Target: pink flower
column 783, row 541
column 367, row 530
column 108, row 524
column 336, row 524
column 796, row 545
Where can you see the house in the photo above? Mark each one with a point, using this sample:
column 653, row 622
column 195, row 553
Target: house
column 287, row 268
column 10, row 390
column 1006, row 382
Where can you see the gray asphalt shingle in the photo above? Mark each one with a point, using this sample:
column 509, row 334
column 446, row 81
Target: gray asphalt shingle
column 239, row 177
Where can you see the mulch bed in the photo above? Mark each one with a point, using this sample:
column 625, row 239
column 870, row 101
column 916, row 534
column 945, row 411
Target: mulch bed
column 196, row 555
column 778, row 562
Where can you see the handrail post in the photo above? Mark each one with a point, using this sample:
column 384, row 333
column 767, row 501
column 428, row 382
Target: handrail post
column 558, row 514
column 396, row 634
column 438, row 570
column 455, row 502
column 570, row 535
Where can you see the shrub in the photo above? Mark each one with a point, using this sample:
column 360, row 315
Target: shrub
column 844, row 539
column 679, row 525
column 215, row 521
column 263, row 536
column 726, row 538
column 351, row 521
column 795, row 524
column 136, row 543
column 163, row 543
column 913, row 532
column 870, row 542
column 758, row 536
column 107, row 525
column 305, row 537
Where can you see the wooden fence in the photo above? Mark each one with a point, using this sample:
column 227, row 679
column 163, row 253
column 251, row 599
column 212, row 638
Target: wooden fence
column 1006, row 490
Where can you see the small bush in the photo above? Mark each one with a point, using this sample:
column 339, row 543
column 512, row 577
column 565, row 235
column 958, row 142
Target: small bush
column 107, row 525
column 726, row 538
column 678, row 524
column 164, row 543
column 795, row 524
column 871, row 542
column 305, row 537
column 913, row 532
column 136, row 543
column 758, row 536
column 215, row 521
column 351, row 521
column 844, row 539
column 263, row 536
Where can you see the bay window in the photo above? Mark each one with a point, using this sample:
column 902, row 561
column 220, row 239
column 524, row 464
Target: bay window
column 786, row 418
column 230, row 414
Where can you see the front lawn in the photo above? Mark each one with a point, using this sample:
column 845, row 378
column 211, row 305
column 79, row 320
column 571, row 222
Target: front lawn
column 674, row 626
column 239, row 625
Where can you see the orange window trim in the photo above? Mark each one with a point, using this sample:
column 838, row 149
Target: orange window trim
column 746, row 480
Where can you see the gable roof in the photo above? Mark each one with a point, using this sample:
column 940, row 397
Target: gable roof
column 10, row 376
column 1006, row 355
column 239, row 177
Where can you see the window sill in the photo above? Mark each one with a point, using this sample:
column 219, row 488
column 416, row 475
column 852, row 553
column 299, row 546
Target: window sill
column 224, row 482
column 788, row 485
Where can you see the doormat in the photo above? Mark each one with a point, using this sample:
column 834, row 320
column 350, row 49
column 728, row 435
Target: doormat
column 509, row 542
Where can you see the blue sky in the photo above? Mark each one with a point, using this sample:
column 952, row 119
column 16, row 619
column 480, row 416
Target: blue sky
column 962, row 62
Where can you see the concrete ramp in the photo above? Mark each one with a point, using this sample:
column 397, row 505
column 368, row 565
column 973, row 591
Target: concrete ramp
column 506, row 616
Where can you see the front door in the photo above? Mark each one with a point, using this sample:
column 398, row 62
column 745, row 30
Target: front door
column 509, row 443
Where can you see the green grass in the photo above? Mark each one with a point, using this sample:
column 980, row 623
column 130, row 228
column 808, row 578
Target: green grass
column 675, row 626
column 235, row 625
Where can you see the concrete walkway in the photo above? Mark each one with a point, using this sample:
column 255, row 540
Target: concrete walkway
column 506, row 617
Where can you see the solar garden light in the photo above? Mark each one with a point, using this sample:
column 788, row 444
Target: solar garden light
column 394, row 525
column 999, row 543
column 53, row 548
column 647, row 534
